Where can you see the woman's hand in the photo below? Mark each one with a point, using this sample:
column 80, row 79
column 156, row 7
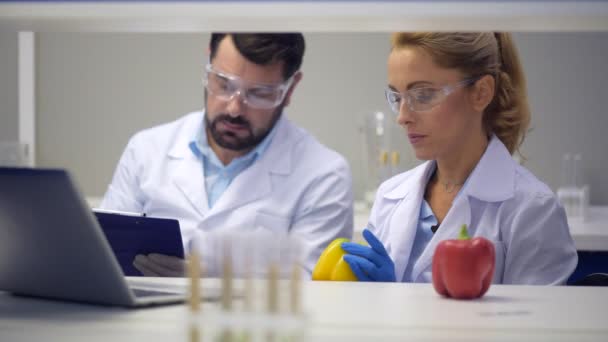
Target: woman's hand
column 369, row 263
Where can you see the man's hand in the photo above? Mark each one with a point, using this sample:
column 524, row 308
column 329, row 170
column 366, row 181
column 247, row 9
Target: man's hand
column 160, row 265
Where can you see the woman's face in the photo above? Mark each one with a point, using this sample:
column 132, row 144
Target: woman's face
column 444, row 127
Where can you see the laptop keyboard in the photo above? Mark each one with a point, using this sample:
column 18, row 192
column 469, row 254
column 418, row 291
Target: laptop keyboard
column 141, row 293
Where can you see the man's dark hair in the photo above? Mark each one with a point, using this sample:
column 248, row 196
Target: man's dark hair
column 266, row 48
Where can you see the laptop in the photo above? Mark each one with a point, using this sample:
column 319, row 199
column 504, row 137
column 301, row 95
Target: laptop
column 52, row 246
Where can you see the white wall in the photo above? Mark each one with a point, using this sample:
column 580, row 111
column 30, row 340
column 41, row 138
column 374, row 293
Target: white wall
column 9, row 118
column 95, row 90
column 567, row 77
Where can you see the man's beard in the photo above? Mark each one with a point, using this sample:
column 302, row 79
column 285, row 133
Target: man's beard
column 231, row 141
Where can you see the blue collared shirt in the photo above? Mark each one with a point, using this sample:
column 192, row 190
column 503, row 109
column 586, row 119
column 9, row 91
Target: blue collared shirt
column 217, row 175
column 423, row 236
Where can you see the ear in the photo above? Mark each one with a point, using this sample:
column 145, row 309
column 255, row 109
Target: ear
column 297, row 77
column 483, row 93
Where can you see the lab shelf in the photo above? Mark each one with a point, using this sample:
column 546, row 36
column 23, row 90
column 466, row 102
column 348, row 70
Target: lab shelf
column 310, row 16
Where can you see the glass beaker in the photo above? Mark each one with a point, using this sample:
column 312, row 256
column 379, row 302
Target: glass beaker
column 378, row 152
column 13, row 153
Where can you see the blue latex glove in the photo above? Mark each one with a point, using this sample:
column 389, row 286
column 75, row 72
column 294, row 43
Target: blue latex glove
column 369, row 263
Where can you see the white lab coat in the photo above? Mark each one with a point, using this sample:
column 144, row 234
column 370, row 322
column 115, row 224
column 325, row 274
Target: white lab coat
column 297, row 186
column 501, row 201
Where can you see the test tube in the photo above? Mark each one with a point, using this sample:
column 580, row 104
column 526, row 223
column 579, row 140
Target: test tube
column 195, row 295
column 579, row 197
column 566, row 171
column 576, row 169
column 227, row 277
column 379, row 117
column 394, row 163
column 383, row 167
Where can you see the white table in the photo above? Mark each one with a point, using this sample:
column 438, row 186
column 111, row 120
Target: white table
column 341, row 312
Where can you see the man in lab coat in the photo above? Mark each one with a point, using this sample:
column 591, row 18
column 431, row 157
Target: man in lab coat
column 240, row 166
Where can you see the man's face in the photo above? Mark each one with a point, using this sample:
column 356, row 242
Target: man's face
column 236, row 123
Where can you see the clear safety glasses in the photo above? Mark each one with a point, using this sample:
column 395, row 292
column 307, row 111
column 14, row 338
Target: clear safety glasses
column 256, row 95
column 425, row 98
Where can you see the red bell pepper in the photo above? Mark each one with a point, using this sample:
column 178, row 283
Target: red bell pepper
column 463, row 268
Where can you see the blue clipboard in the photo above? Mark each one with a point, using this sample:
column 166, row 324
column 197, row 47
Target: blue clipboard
column 130, row 234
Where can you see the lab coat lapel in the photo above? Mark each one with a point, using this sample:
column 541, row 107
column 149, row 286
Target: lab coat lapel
column 190, row 180
column 254, row 183
column 404, row 220
column 186, row 165
column 491, row 180
column 459, row 214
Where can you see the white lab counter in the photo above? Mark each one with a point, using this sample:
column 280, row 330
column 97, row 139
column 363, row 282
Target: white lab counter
column 588, row 235
column 592, row 233
column 341, row 312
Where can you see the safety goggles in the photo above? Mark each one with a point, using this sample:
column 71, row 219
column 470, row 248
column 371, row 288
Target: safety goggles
column 423, row 99
column 256, row 95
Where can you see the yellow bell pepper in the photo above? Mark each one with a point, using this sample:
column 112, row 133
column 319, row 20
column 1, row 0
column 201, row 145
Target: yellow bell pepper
column 331, row 264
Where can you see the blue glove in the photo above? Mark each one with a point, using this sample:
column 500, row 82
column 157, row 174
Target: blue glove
column 369, row 263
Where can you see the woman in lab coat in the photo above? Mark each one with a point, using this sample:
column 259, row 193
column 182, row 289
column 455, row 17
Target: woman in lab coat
column 461, row 99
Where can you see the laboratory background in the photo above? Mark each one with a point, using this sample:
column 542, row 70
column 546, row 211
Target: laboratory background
column 95, row 90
